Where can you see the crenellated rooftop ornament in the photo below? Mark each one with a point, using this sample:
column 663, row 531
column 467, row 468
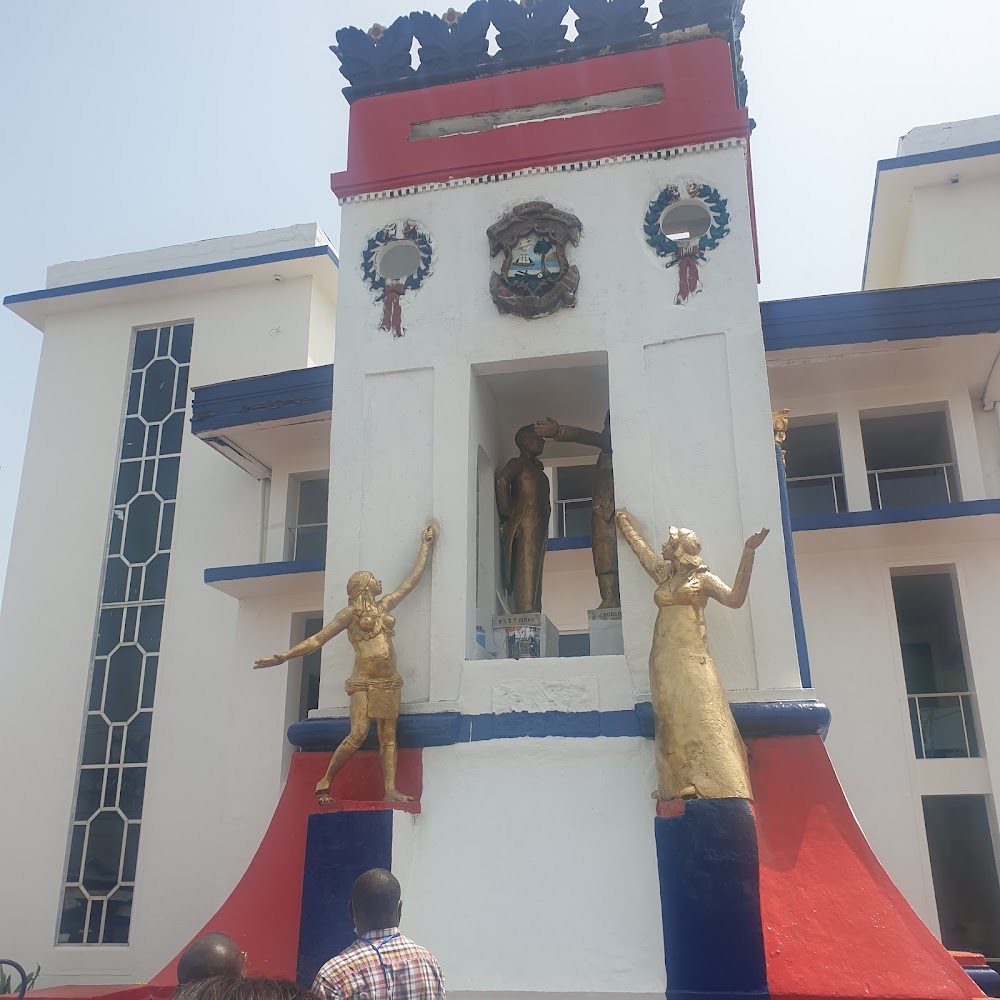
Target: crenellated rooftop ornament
column 454, row 47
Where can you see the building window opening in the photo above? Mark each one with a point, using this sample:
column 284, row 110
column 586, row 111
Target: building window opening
column 104, row 837
column 814, row 470
column 309, row 501
column 934, row 665
column 574, row 644
column 574, row 494
column 910, row 460
column 309, row 686
column 964, row 872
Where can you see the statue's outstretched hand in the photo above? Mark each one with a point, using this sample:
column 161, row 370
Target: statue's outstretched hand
column 621, row 517
column 548, row 427
column 269, row 661
column 754, row 541
column 431, row 533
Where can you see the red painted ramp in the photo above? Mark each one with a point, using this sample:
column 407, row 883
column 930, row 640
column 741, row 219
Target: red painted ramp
column 262, row 913
column 834, row 923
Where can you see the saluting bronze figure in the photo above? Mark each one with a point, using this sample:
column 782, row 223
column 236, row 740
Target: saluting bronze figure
column 604, row 540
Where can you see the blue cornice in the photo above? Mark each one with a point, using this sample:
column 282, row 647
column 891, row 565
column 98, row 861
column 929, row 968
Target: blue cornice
column 435, row 729
column 896, row 515
column 177, row 272
column 283, row 395
column 958, row 309
column 255, row 571
column 573, row 542
column 940, row 156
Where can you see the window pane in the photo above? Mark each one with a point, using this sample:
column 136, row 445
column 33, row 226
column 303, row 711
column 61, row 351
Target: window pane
column 942, row 726
column 811, row 496
column 574, row 482
column 310, row 543
column 577, row 519
column 575, row 645
column 916, row 488
column 313, row 501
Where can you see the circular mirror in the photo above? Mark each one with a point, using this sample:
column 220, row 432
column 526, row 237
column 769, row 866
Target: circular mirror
column 398, row 260
column 685, row 220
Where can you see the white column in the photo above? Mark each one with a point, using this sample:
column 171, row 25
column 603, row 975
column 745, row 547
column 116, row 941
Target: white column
column 852, row 453
column 966, row 444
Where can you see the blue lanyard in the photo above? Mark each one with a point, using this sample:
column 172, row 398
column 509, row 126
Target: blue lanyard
column 377, row 948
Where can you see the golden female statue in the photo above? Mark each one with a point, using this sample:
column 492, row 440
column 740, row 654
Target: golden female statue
column 375, row 684
column 699, row 751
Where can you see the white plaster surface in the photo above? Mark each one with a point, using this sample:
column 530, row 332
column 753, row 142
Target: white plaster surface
column 532, row 866
column 950, row 135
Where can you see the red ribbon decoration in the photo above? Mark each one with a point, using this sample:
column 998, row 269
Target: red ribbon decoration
column 689, row 281
column 392, row 311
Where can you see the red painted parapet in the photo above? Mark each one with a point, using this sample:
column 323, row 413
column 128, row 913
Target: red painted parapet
column 698, row 106
column 834, row 924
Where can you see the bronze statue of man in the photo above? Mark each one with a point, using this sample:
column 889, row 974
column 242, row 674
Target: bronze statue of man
column 523, row 502
column 602, row 525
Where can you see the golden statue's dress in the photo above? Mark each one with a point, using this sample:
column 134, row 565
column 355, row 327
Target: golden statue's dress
column 699, row 751
column 374, row 685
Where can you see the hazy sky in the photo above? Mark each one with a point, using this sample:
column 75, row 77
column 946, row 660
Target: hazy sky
column 129, row 125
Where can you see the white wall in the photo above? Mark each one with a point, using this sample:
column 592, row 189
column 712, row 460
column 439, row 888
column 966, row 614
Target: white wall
column 532, row 866
column 950, row 232
column 216, row 753
column 660, row 419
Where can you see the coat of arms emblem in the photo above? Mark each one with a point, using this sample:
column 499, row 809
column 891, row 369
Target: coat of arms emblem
column 535, row 278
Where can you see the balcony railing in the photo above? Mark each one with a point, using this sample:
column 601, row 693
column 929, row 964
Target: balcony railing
column 573, row 518
column 816, row 494
column 912, row 486
column 943, row 725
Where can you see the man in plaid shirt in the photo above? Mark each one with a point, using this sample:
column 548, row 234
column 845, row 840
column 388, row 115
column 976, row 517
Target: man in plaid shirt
column 381, row 964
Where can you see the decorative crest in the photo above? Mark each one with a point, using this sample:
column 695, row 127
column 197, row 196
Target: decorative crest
column 535, row 278
column 376, row 57
column 395, row 260
column 530, row 31
column 603, row 24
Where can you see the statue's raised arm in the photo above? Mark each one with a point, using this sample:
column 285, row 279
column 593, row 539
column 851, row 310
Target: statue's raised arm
column 428, row 538
column 644, row 553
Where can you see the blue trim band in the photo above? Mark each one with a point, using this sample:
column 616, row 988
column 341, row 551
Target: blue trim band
column 178, row 272
column 798, row 623
column 985, row 978
column 299, row 393
column 255, row 571
column 896, row 515
column 574, row 542
column 940, row 156
column 438, row 729
column 893, row 314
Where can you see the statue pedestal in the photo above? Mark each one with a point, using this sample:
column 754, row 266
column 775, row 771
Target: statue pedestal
column 605, row 625
column 524, row 637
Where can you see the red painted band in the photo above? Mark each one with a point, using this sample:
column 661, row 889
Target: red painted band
column 699, row 106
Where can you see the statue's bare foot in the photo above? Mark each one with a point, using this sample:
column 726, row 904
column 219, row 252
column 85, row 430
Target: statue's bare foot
column 323, row 793
column 395, row 796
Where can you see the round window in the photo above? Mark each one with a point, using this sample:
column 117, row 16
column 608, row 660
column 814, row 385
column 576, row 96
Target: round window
column 685, row 220
column 398, row 260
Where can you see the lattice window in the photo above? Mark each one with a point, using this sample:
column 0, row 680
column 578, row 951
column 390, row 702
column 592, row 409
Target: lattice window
column 104, row 839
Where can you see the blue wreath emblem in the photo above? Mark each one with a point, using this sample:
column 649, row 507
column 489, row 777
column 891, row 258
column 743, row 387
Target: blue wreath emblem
column 666, row 247
column 390, row 234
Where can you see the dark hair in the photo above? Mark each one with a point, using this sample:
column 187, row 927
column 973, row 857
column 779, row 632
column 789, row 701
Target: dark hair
column 210, row 955
column 375, row 898
column 243, row 988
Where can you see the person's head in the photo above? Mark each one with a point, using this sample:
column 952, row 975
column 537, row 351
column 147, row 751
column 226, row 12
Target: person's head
column 211, row 955
column 243, row 988
column 363, row 585
column 375, row 901
column 683, row 550
column 529, row 440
